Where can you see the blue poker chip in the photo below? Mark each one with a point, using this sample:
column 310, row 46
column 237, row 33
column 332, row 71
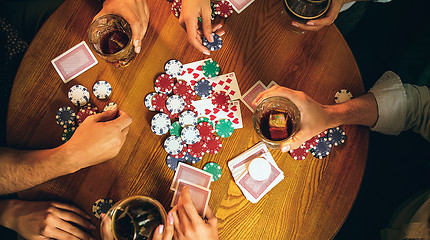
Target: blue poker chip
column 215, row 45
column 322, row 149
column 173, row 162
column 203, row 88
column 102, row 206
column 192, row 159
column 336, row 136
column 66, row 117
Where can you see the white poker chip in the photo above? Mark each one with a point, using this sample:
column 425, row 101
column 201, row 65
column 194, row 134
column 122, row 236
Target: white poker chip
column 102, row 89
column 173, row 68
column 259, row 169
column 160, row 124
column 175, row 104
column 187, row 117
column 109, row 106
column 342, row 95
column 148, row 101
column 190, row 135
column 173, row 145
column 79, row 95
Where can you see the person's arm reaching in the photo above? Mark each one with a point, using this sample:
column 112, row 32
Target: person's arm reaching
column 97, row 139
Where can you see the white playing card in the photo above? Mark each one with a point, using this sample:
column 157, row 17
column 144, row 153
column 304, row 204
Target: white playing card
column 271, row 84
column 74, row 62
column 192, row 72
column 227, row 83
column 191, row 174
column 252, row 93
column 199, row 196
column 240, row 5
column 205, row 108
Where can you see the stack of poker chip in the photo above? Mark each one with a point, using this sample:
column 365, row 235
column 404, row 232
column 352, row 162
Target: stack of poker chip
column 102, row 206
column 320, row 145
column 222, row 8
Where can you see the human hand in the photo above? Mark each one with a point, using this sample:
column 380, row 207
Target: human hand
column 331, row 15
column 99, row 138
column 47, row 220
column 190, row 11
column 314, row 116
column 135, row 12
column 188, row 223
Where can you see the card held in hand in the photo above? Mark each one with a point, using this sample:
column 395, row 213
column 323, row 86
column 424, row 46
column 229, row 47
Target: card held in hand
column 199, row 196
column 252, row 93
column 192, row 175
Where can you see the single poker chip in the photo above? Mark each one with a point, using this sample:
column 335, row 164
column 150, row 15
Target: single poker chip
column 175, row 104
column 190, row 107
column 173, row 162
column 109, row 106
column 214, row 169
column 182, row 153
column 102, row 206
column 197, row 149
column 259, row 169
column 67, row 134
column 204, row 119
column 65, row 117
column 203, row 88
column 176, row 7
column 210, row 68
column 190, row 134
column 206, row 130
column 192, row 159
column 213, row 46
column 164, row 84
column 214, row 144
column 300, row 153
column 342, row 95
column 213, row 12
column 224, row 9
column 322, row 149
column 175, row 129
column 311, row 142
column 173, row 145
column 79, row 95
column 160, row 124
column 102, row 89
column 224, row 128
column 188, row 117
column 84, row 113
column 221, row 100
column 336, row 136
column 174, row 68
column 183, row 89
column 159, row 102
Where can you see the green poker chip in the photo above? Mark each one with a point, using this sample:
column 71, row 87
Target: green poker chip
column 204, row 119
column 67, row 134
column 210, row 68
column 224, row 128
column 175, row 129
column 213, row 169
column 102, row 206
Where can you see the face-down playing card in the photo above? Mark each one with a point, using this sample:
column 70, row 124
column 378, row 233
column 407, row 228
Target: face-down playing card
column 199, row 196
column 192, row 175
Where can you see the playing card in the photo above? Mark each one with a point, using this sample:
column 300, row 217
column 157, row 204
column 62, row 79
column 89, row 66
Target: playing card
column 240, row 5
column 74, row 61
column 252, row 93
column 199, row 196
column 192, row 72
column 191, row 174
column 205, row 108
column 227, row 83
column 271, row 84
column 255, row 151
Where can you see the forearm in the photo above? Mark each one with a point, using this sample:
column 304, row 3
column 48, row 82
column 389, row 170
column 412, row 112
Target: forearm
column 25, row 169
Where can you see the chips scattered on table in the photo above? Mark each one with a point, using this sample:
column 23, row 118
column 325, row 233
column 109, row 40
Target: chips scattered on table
column 79, row 95
column 342, row 95
column 65, row 117
column 110, row 106
column 214, row 169
column 102, row 206
column 102, row 89
column 67, row 134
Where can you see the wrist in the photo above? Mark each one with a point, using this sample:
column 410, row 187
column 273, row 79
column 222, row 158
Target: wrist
column 7, row 213
column 334, row 116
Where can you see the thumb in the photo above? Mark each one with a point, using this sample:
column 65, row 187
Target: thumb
column 295, row 142
column 105, row 116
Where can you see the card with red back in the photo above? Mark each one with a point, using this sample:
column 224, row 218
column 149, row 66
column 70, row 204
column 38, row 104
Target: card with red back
column 252, row 93
column 199, row 196
column 191, row 174
column 271, row 84
column 240, row 5
column 74, row 62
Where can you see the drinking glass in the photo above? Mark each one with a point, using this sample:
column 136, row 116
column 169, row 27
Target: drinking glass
column 304, row 10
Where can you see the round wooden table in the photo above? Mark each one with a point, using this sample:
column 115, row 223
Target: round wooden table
column 311, row 202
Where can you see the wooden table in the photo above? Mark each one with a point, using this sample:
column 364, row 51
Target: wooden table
column 311, row 202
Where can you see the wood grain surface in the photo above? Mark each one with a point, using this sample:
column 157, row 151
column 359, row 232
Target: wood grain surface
column 310, row 203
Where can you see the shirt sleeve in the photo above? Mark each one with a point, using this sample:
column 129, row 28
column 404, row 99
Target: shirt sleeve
column 401, row 106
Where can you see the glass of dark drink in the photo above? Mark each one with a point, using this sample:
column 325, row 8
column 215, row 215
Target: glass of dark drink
column 110, row 37
column 302, row 11
column 276, row 120
column 134, row 218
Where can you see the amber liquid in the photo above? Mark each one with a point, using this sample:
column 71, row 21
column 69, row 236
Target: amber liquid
column 113, row 42
column 264, row 124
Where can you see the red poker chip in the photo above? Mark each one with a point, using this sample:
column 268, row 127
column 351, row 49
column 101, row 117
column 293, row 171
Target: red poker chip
column 190, row 108
column 182, row 153
column 224, row 9
column 300, row 153
column 85, row 112
column 164, row 83
column 197, row 149
column 183, row 89
column 159, row 102
column 221, row 100
column 206, row 130
column 214, row 144
column 313, row 141
column 176, row 7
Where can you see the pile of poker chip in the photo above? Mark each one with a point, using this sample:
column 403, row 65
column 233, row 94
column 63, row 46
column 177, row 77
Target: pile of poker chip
column 320, row 145
column 80, row 96
column 191, row 137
